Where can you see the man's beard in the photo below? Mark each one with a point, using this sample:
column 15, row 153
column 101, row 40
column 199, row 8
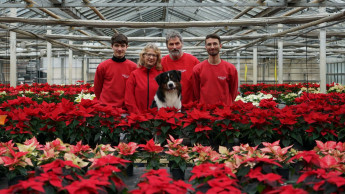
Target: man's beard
column 175, row 52
column 213, row 53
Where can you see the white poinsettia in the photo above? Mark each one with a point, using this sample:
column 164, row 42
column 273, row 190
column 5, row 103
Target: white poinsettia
column 288, row 98
column 28, row 92
column 84, row 96
column 309, row 90
column 255, row 98
column 75, row 159
column 337, row 88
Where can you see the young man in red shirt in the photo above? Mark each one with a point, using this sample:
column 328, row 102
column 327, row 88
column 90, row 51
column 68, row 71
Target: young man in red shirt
column 215, row 80
column 112, row 74
column 181, row 61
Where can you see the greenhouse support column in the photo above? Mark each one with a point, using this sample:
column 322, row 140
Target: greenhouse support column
column 85, row 69
column 70, row 62
column 322, row 54
column 280, row 56
column 238, row 68
column 255, row 65
column 13, row 57
column 49, row 60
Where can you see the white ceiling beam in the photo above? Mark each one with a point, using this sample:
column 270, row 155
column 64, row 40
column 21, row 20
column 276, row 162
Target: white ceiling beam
column 109, row 24
column 273, row 4
column 277, row 3
column 330, row 34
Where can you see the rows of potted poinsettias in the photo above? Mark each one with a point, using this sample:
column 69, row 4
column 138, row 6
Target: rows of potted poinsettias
column 314, row 117
column 44, row 92
column 247, row 89
column 284, row 93
column 57, row 166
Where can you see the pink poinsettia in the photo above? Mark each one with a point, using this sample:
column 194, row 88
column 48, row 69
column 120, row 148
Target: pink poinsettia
column 275, row 150
column 127, row 149
column 173, row 143
column 205, row 154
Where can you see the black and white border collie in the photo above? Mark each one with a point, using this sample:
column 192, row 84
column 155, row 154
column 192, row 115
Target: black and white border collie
column 169, row 90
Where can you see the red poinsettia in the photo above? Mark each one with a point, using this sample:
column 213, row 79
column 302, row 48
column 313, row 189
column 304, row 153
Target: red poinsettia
column 287, row 189
column 223, row 184
column 57, row 165
column 169, row 115
column 322, row 177
column 310, row 157
column 150, row 146
column 211, row 170
column 197, row 115
column 52, row 178
column 108, row 160
column 29, row 186
column 87, row 186
column 268, row 178
column 158, row 181
column 315, row 117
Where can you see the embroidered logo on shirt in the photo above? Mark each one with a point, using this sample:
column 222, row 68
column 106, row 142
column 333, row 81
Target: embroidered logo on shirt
column 221, row 77
column 182, row 70
column 125, row 76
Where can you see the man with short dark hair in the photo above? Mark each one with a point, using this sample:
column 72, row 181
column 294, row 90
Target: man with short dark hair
column 215, row 80
column 112, row 74
column 178, row 60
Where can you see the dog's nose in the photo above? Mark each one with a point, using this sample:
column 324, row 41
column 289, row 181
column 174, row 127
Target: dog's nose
column 170, row 85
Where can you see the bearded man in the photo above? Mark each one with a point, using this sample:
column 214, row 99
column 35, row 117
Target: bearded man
column 215, row 80
column 181, row 61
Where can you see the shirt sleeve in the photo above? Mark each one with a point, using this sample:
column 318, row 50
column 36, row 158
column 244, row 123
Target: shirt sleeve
column 98, row 82
column 233, row 84
column 196, row 85
column 130, row 101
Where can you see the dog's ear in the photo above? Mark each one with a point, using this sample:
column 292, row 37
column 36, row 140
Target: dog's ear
column 158, row 79
column 178, row 75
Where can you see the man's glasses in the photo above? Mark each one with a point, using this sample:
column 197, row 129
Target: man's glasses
column 150, row 55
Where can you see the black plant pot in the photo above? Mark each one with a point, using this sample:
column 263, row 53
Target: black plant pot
column 202, row 188
column 15, row 180
column 129, row 170
column 177, row 174
column 284, row 172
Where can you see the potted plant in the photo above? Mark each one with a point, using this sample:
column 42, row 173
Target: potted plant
column 151, row 154
column 178, row 156
column 158, row 181
column 18, row 160
column 129, row 152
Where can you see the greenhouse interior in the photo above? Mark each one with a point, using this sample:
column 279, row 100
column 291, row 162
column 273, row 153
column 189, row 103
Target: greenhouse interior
column 283, row 131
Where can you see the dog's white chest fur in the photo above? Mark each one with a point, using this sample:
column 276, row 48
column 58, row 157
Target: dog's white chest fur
column 172, row 99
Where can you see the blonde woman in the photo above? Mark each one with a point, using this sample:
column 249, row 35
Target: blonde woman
column 141, row 84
